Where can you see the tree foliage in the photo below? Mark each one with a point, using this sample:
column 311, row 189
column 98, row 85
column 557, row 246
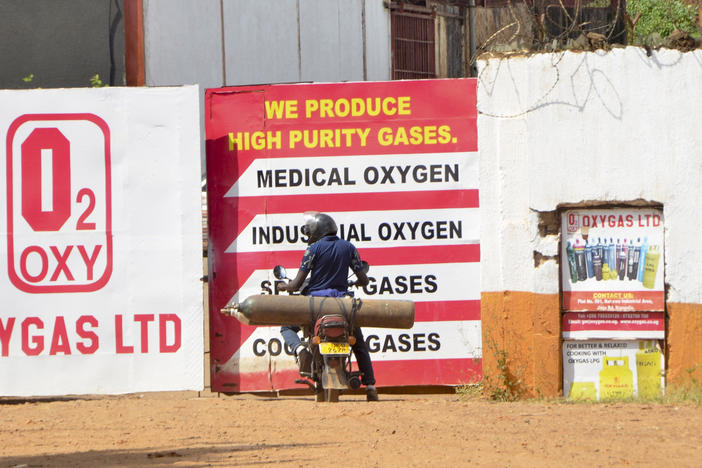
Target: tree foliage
column 662, row 16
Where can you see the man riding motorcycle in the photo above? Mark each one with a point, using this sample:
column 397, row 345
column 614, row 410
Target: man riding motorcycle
column 329, row 258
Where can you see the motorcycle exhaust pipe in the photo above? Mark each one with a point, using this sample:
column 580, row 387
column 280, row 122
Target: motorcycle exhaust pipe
column 354, row 382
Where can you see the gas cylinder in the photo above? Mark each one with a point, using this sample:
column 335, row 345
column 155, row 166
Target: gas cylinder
column 648, row 369
column 616, row 379
column 583, row 391
column 651, row 267
column 298, row 310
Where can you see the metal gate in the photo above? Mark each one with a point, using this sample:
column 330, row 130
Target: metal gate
column 413, row 55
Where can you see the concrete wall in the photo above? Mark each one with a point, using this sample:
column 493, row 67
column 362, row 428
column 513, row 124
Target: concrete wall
column 582, row 129
column 63, row 43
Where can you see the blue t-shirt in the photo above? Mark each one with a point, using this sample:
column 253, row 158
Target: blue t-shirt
column 329, row 260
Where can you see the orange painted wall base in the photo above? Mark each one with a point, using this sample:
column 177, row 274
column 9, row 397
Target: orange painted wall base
column 522, row 331
column 522, row 344
column 684, row 343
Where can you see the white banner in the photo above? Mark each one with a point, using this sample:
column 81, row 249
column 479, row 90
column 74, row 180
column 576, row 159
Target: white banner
column 341, row 174
column 387, row 228
column 419, row 283
column 425, row 341
column 100, row 241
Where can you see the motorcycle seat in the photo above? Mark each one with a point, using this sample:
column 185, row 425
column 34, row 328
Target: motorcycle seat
column 331, row 326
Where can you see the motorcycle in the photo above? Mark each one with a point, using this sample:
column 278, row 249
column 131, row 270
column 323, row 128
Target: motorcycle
column 327, row 324
column 329, row 339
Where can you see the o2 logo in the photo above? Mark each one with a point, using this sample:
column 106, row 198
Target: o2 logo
column 573, row 222
column 59, row 203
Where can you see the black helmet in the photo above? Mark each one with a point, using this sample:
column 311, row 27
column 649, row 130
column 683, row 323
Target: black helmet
column 318, row 225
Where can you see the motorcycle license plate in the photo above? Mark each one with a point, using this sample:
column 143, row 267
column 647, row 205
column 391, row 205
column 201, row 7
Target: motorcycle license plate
column 334, row 348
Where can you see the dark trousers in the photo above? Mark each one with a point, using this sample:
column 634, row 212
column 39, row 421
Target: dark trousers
column 360, row 350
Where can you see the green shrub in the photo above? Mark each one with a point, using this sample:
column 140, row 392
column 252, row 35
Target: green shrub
column 662, row 16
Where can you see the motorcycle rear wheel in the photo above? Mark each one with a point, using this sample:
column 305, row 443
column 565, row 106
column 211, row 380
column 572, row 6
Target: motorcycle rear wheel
column 328, row 395
column 331, row 395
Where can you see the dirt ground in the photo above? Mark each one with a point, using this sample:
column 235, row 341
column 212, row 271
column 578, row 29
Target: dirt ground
column 188, row 429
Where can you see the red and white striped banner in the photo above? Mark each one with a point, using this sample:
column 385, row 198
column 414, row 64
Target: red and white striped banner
column 395, row 164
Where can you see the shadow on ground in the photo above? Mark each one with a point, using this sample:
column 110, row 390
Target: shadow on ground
column 212, row 455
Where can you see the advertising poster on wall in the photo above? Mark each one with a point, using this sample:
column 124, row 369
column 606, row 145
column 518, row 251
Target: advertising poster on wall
column 613, row 325
column 612, row 370
column 100, row 241
column 613, row 260
column 396, row 165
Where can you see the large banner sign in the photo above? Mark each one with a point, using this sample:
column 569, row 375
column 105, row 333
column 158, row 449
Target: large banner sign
column 396, row 165
column 100, row 241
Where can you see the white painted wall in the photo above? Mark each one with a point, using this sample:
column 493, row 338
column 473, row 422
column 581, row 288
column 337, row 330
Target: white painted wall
column 577, row 127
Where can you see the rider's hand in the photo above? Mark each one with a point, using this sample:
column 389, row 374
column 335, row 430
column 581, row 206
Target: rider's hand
column 283, row 287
